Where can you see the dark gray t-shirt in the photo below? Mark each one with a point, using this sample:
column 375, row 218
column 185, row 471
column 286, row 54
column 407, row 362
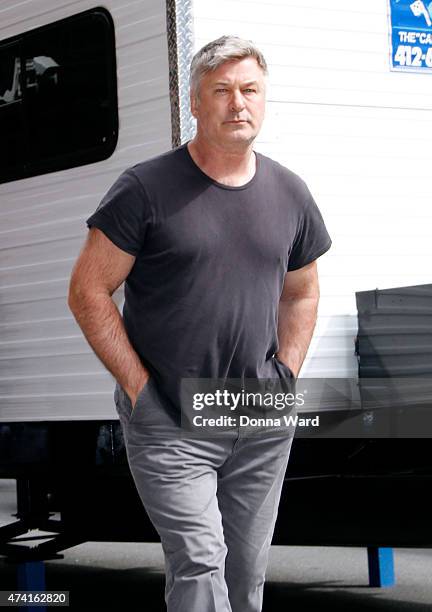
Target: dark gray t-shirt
column 202, row 298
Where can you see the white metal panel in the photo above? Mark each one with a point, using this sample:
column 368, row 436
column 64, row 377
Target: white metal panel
column 358, row 134
column 337, row 116
column 47, row 369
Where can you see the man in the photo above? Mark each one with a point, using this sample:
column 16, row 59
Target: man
column 217, row 245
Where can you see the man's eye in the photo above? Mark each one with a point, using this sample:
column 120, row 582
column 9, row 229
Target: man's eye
column 249, row 89
column 221, row 90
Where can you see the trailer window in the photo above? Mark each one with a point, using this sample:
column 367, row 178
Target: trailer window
column 58, row 96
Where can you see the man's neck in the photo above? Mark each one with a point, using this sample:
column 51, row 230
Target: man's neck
column 229, row 167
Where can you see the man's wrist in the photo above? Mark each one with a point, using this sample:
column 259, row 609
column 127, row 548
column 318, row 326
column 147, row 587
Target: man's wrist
column 287, row 361
column 134, row 388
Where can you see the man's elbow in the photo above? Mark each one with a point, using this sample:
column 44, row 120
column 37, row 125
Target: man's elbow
column 315, row 294
column 83, row 294
column 311, row 291
column 75, row 295
column 79, row 293
column 314, row 297
column 311, row 294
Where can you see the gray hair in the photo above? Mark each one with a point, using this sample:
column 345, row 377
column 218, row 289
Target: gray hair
column 219, row 51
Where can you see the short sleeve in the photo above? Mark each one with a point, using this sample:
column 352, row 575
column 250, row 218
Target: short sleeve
column 124, row 213
column 312, row 238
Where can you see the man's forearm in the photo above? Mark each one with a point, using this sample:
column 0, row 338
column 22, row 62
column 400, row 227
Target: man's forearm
column 296, row 323
column 101, row 322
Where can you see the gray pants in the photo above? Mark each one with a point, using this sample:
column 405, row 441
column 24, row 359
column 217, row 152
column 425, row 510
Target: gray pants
column 213, row 502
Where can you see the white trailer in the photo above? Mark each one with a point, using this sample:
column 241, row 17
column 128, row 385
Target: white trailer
column 356, row 131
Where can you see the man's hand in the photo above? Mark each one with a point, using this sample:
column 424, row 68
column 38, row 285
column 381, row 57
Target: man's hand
column 135, row 390
column 298, row 308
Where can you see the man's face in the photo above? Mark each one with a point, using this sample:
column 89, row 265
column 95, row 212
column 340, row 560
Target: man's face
column 230, row 104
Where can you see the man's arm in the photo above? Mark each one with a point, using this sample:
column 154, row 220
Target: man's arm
column 297, row 315
column 99, row 270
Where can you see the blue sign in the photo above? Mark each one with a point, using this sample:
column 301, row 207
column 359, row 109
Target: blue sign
column 411, row 35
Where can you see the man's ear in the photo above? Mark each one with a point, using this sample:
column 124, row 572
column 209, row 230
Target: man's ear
column 193, row 104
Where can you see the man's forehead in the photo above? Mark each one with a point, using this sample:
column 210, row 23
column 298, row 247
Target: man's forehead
column 246, row 70
column 244, row 83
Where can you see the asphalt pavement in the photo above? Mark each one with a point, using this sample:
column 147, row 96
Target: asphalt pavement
column 130, row 576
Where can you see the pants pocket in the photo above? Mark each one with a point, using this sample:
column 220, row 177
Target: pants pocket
column 124, row 405
column 286, row 377
column 284, row 370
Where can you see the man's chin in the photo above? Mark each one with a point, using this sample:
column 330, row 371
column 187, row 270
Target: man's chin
column 239, row 135
column 235, row 128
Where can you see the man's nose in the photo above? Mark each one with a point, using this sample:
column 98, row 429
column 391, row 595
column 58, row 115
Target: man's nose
column 237, row 102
